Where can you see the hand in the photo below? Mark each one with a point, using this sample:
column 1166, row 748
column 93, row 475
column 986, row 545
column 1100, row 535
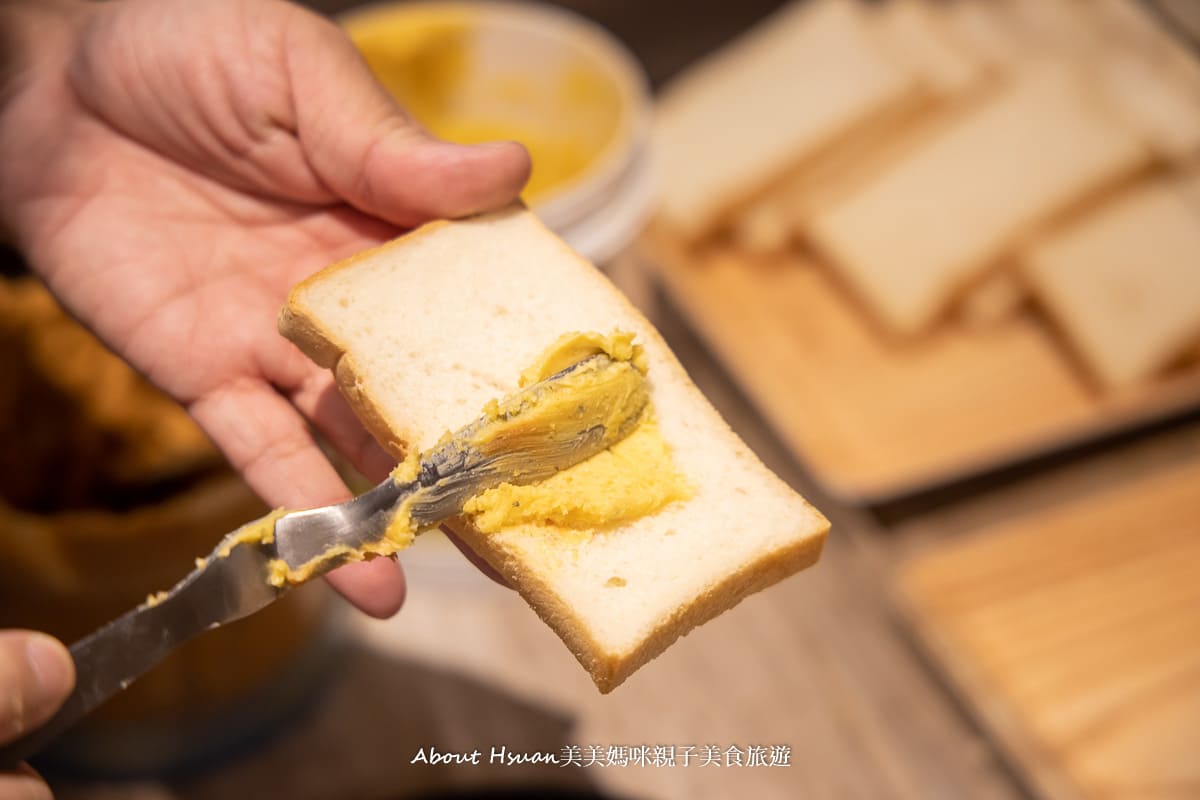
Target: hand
column 36, row 675
column 170, row 168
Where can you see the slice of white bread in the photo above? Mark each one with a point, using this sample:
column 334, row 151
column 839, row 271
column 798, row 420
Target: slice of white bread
column 916, row 32
column 1124, row 281
column 1158, row 79
column 774, row 218
column 983, row 28
column 928, row 225
column 1138, row 24
column 425, row 330
column 1137, row 67
column 739, row 119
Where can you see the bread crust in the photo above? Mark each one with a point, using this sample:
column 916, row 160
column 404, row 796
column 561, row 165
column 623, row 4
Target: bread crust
column 607, row 669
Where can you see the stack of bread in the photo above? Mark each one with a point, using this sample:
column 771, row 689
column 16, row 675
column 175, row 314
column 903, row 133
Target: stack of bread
column 953, row 163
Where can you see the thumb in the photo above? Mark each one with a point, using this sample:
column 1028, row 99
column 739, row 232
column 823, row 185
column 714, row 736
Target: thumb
column 36, row 675
column 373, row 155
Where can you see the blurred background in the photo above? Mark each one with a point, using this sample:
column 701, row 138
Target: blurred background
column 938, row 263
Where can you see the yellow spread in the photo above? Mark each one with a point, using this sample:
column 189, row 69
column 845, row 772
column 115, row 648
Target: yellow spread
column 611, row 393
column 633, row 477
column 571, row 348
column 260, row 531
column 408, row 469
column 425, row 56
column 398, row 536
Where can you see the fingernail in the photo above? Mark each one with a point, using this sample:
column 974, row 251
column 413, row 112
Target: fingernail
column 503, row 144
column 51, row 665
column 479, row 147
column 508, row 146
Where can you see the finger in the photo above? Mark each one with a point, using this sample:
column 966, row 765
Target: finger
column 23, row 784
column 319, row 400
column 483, row 566
column 376, row 587
column 267, row 441
column 36, row 675
column 408, row 177
column 372, row 155
column 314, row 394
column 312, row 391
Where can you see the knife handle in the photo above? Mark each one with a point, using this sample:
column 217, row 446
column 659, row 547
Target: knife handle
column 114, row 656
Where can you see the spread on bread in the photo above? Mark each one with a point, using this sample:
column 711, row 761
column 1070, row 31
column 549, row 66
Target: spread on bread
column 635, row 476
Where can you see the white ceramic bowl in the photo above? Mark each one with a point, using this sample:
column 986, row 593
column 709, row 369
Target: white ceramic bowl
column 522, row 66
